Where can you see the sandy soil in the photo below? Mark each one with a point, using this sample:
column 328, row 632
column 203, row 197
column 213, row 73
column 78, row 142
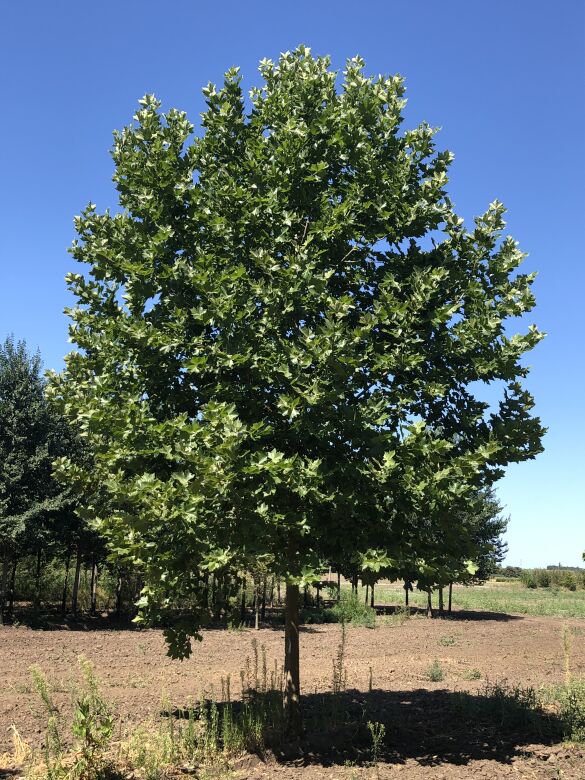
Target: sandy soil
column 424, row 738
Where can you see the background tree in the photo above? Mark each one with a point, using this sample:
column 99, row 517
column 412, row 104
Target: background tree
column 33, row 505
column 279, row 334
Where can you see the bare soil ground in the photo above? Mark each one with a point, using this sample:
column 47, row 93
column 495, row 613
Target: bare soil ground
column 426, row 736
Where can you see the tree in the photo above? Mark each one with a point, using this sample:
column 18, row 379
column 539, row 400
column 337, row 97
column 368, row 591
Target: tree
column 32, row 435
column 278, row 336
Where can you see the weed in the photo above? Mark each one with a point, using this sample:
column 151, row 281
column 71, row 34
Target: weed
column 435, row 672
column 571, row 701
column 472, row 674
column 446, row 641
column 377, row 732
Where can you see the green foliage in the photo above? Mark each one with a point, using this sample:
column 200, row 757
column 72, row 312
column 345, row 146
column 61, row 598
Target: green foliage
column 272, row 359
column 571, row 702
column 350, row 609
column 558, row 578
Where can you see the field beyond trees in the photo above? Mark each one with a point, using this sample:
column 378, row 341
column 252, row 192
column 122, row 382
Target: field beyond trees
column 433, row 729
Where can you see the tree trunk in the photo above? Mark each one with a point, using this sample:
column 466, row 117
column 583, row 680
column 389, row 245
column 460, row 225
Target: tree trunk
column 206, row 591
column 450, row 596
column 272, row 583
column 3, row 586
column 93, row 586
column 441, row 602
column 119, row 595
column 243, row 601
column 291, row 661
column 37, row 596
column 12, row 590
column 76, row 578
column 318, row 595
column 213, row 593
column 278, row 596
column 406, row 589
column 338, row 585
column 65, row 583
column 372, row 597
column 256, row 607
column 429, row 604
column 264, row 588
column 367, row 593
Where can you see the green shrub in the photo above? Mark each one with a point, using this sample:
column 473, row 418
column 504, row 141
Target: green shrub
column 528, row 579
column 350, row 609
column 435, row 672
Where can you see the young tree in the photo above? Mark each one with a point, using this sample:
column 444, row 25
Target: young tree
column 279, row 334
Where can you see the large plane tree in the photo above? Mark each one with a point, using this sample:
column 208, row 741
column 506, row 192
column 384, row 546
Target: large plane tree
column 280, row 335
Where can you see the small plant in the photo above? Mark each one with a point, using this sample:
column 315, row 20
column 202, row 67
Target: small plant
column 377, row 732
column 571, row 704
column 446, row 641
column 92, row 726
column 472, row 674
column 435, row 672
column 52, row 754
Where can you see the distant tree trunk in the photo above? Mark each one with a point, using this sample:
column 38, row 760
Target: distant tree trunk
column 291, row 661
column 354, row 584
column 306, row 596
column 264, row 588
column 119, row 594
column 406, row 589
column 256, row 607
column 37, row 593
column 66, row 583
column 243, row 601
column 272, row 582
column 213, row 592
column 429, row 604
column 318, row 594
column 441, row 603
column 450, row 596
column 3, row 586
column 367, row 593
column 338, row 585
column 278, row 597
column 372, row 597
column 12, row 590
column 93, row 586
column 76, row 578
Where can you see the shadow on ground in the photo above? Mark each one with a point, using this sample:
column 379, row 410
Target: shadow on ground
column 311, row 618
column 431, row 727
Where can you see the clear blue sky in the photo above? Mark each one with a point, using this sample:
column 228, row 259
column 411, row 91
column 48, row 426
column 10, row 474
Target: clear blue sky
column 505, row 80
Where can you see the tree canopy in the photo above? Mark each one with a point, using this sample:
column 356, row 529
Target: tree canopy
column 281, row 334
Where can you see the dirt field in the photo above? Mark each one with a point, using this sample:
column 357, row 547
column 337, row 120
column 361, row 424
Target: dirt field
column 424, row 739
